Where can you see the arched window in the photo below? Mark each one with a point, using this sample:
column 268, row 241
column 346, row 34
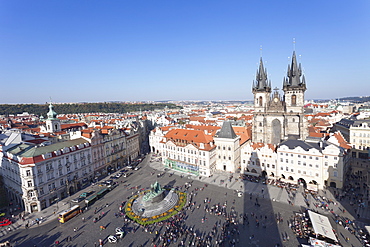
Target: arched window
column 294, row 99
column 260, row 101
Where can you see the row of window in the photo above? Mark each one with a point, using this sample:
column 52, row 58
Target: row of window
column 305, row 156
column 361, row 134
column 362, row 141
column 184, row 150
column 187, row 159
column 229, row 158
column 224, row 148
column 299, row 171
column 258, row 164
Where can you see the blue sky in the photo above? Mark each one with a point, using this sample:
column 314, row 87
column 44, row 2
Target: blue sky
column 96, row 51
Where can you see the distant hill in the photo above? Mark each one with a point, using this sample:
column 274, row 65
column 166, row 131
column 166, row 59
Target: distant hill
column 356, row 99
column 106, row 107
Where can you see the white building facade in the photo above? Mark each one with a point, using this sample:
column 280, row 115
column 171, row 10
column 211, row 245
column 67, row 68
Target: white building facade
column 42, row 175
column 189, row 151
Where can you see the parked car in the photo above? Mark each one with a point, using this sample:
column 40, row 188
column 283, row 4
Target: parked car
column 77, row 199
column 86, row 194
column 129, row 167
column 137, row 168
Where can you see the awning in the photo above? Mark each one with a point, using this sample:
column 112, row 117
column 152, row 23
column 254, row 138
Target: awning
column 367, row 229
column 312, row 187
column 321, row 225
column 320, row 243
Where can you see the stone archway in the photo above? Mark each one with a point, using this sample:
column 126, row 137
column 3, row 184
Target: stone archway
column 333, row 184
column 71, row 190
column 290, row 178
column 253, row 171
column 302, row 182
column 34, row 207
column 282, row 176
column 264, row 174
column 275, row 131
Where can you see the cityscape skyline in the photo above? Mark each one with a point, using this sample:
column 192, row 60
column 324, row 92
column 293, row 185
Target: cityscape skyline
column 153, row 51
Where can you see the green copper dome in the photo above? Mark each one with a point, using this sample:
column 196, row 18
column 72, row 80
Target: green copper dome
column 51, row 114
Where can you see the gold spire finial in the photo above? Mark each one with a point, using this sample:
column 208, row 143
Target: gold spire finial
column 260, row 50
column 293, row 44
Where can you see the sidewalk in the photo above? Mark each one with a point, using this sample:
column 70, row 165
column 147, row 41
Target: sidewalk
column 44, row 216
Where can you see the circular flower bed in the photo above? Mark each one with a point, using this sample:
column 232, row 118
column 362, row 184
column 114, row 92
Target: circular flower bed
column 157, row 218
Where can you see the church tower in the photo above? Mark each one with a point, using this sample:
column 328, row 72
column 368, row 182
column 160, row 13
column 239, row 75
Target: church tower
column 261, row 89
column 294, row 87
column 228, row 148
column 52, row 122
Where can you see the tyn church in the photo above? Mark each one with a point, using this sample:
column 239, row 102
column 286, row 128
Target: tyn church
column 276, row 118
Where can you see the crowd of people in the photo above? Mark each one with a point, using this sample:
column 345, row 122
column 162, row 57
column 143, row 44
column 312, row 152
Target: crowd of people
column 222, row 230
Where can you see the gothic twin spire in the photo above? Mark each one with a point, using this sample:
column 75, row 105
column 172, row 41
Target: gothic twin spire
column 292, row 80
column 294, row 74
column 261, row 83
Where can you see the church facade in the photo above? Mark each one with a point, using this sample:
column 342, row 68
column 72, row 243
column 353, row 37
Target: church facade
column 276, row 117
column 280, row 147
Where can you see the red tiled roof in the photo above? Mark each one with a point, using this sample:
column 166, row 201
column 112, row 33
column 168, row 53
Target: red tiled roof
column 183, row 137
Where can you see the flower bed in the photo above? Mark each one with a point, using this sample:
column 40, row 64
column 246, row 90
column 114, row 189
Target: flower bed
column 157, row 218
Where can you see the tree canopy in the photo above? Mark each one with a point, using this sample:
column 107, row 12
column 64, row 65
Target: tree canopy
column 106, row 107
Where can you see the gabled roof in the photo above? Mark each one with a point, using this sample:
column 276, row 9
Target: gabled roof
column 245, row 133
column 259, row 145
column 226, row 131
column 292, row 144
column 184, row 137
column 27, row 150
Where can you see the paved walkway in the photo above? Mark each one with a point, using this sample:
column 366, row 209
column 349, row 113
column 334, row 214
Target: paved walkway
column 220, row 179
column 275, row 193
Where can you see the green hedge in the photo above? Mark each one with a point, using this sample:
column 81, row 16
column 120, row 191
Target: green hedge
column 158, row 218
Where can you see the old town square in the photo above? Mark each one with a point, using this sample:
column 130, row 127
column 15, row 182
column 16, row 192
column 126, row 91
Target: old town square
column 221, row 210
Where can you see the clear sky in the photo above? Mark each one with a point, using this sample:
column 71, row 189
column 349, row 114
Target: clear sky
column 96, row 51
